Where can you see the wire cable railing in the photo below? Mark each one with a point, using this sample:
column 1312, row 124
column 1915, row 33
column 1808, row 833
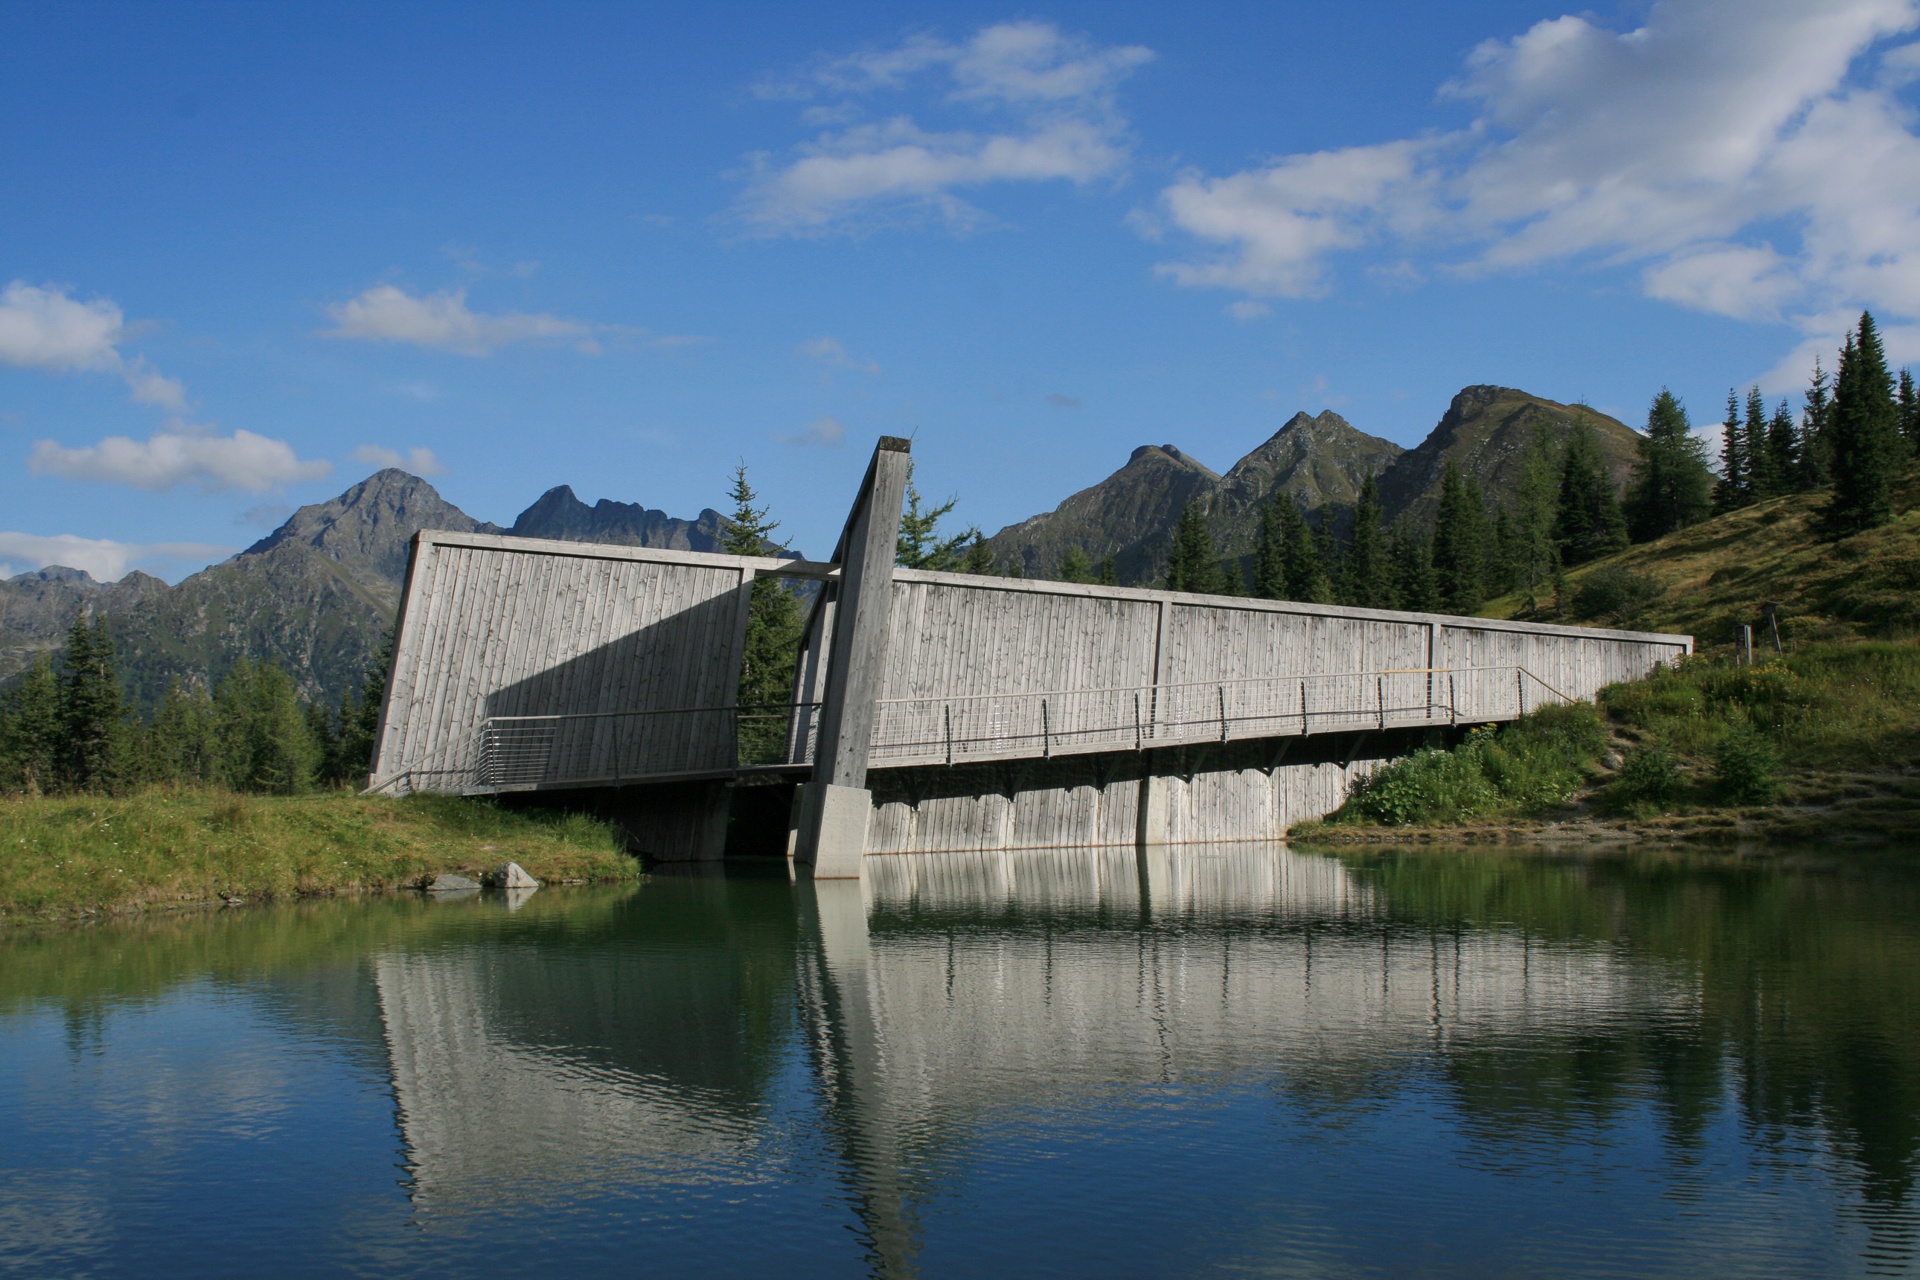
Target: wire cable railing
column 603, row 748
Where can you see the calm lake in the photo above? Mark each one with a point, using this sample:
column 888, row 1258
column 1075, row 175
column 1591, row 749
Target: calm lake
column 1240, row 1060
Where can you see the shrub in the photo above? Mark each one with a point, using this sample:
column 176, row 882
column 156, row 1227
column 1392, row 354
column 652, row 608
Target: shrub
column 1614, row 591
column 1648, row 780
column 1746, row 766
column 1427, row 786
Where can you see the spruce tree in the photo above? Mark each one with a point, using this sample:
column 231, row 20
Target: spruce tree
column 93, row 706
column 32, row 731
column 1193, row 563
column 1326, row 561
column 772, row 643
column 1459, row 543
column 1590, row 524
column 1534, row 555
column 979, row 557
column 1416, row 584
column 1109, row 575
column 1735, row 488
column 921, row 545
column 1814, row 446
column 180, row 742
column 1075, row 566
column 1366, row 579
column 1269, row 555
column 1909, row 412
column 265, row 742
column 1762, row 482
column 1671, row 486
column 1783, row 459
column 1865, row 434
column 1292, row 565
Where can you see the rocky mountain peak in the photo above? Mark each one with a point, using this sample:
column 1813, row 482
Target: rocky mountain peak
column 368, row 528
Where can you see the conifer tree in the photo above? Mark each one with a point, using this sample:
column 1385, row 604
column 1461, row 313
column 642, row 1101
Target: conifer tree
column 1815, row 415
column 1109, row 575
column 1671, row 486
column 359, row 720
column 1864, row 431
column 1075, row 566
column 1761, row 481
column 1534, row 555
column 1366, row 579
column 1783, row 459
column 921, row 545
column 93, row 707
column 1416, row 584
column 1288, row 565
column 1326, row 561
column 1460, row 542
column 1269, row 555
column 32, row 728
column 1909, row 412
column 264, row 739
column 773, row 631
column 1193, row 564
column 1735, row 488
column 180, row 741
column 979, row 557
column 1590, row 524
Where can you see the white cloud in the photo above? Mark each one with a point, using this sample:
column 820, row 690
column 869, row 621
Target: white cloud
column 1049, row 98
column 420, row 462
column 831, row 351
column 1732, row 150
column 47, row 329
column 1060, row 400
column 105, row 559
column 443, row 321
column 821, row 431
column 169, row 459
column 1246, row 309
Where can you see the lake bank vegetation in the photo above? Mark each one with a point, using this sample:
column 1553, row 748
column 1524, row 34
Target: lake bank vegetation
column 1820, row 743
column 161, row 847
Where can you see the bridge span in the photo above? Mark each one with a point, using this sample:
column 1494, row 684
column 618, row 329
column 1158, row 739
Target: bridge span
column 931, row 712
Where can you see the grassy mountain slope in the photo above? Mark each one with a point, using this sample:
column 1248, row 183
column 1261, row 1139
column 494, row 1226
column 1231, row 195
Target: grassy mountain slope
column 1714, row 576
column 1486, row 430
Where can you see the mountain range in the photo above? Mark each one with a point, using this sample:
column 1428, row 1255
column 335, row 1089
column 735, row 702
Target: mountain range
column 1322, row 461
column 318, row 594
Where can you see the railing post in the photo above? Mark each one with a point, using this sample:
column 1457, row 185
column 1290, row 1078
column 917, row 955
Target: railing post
column 1520, row 688
column 1046, row 733
column 1303, row 709
column 1453, row 701
column 946, row 713
column 1380, row 698
column 1222, row 691
column 1136, row 722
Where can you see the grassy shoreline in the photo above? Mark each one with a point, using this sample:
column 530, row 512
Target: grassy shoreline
column 77, row 856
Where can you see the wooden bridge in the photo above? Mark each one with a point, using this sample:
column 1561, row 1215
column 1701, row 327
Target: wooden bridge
column 931, row 711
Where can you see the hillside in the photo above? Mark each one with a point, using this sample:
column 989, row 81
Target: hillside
column 1711, row 578
column 1322, row 461
column 1125, row 516
column 1486, row 430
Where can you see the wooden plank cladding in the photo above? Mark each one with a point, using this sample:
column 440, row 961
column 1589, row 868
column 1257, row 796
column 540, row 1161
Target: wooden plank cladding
column 546, row 660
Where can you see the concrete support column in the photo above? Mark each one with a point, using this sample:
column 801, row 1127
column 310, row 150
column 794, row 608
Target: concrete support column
column 832, row 833
column 1151, row 832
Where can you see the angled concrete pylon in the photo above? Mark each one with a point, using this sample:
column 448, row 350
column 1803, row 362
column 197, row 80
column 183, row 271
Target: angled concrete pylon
column 831, row 834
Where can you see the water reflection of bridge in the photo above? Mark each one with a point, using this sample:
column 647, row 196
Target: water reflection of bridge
column 934, row 995
column 991, row 713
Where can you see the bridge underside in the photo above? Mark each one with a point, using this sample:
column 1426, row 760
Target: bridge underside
column 1194, row 794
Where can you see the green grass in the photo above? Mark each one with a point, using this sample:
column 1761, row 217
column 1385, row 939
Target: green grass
column 1709, row 579
column 1832, row 730
column 76, row 855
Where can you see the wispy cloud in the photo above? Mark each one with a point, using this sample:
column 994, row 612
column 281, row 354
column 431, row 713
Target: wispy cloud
column 103, row 558
column 827, row 432
column 46, row 328
column 420, row 462
column 1045, row 101
column 1742, row 154
column 444, row 322
column 1060, row 401
column 169, row 459
column 829, row 350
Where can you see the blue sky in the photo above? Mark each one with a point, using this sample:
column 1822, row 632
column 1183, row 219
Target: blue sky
column 250, row 253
